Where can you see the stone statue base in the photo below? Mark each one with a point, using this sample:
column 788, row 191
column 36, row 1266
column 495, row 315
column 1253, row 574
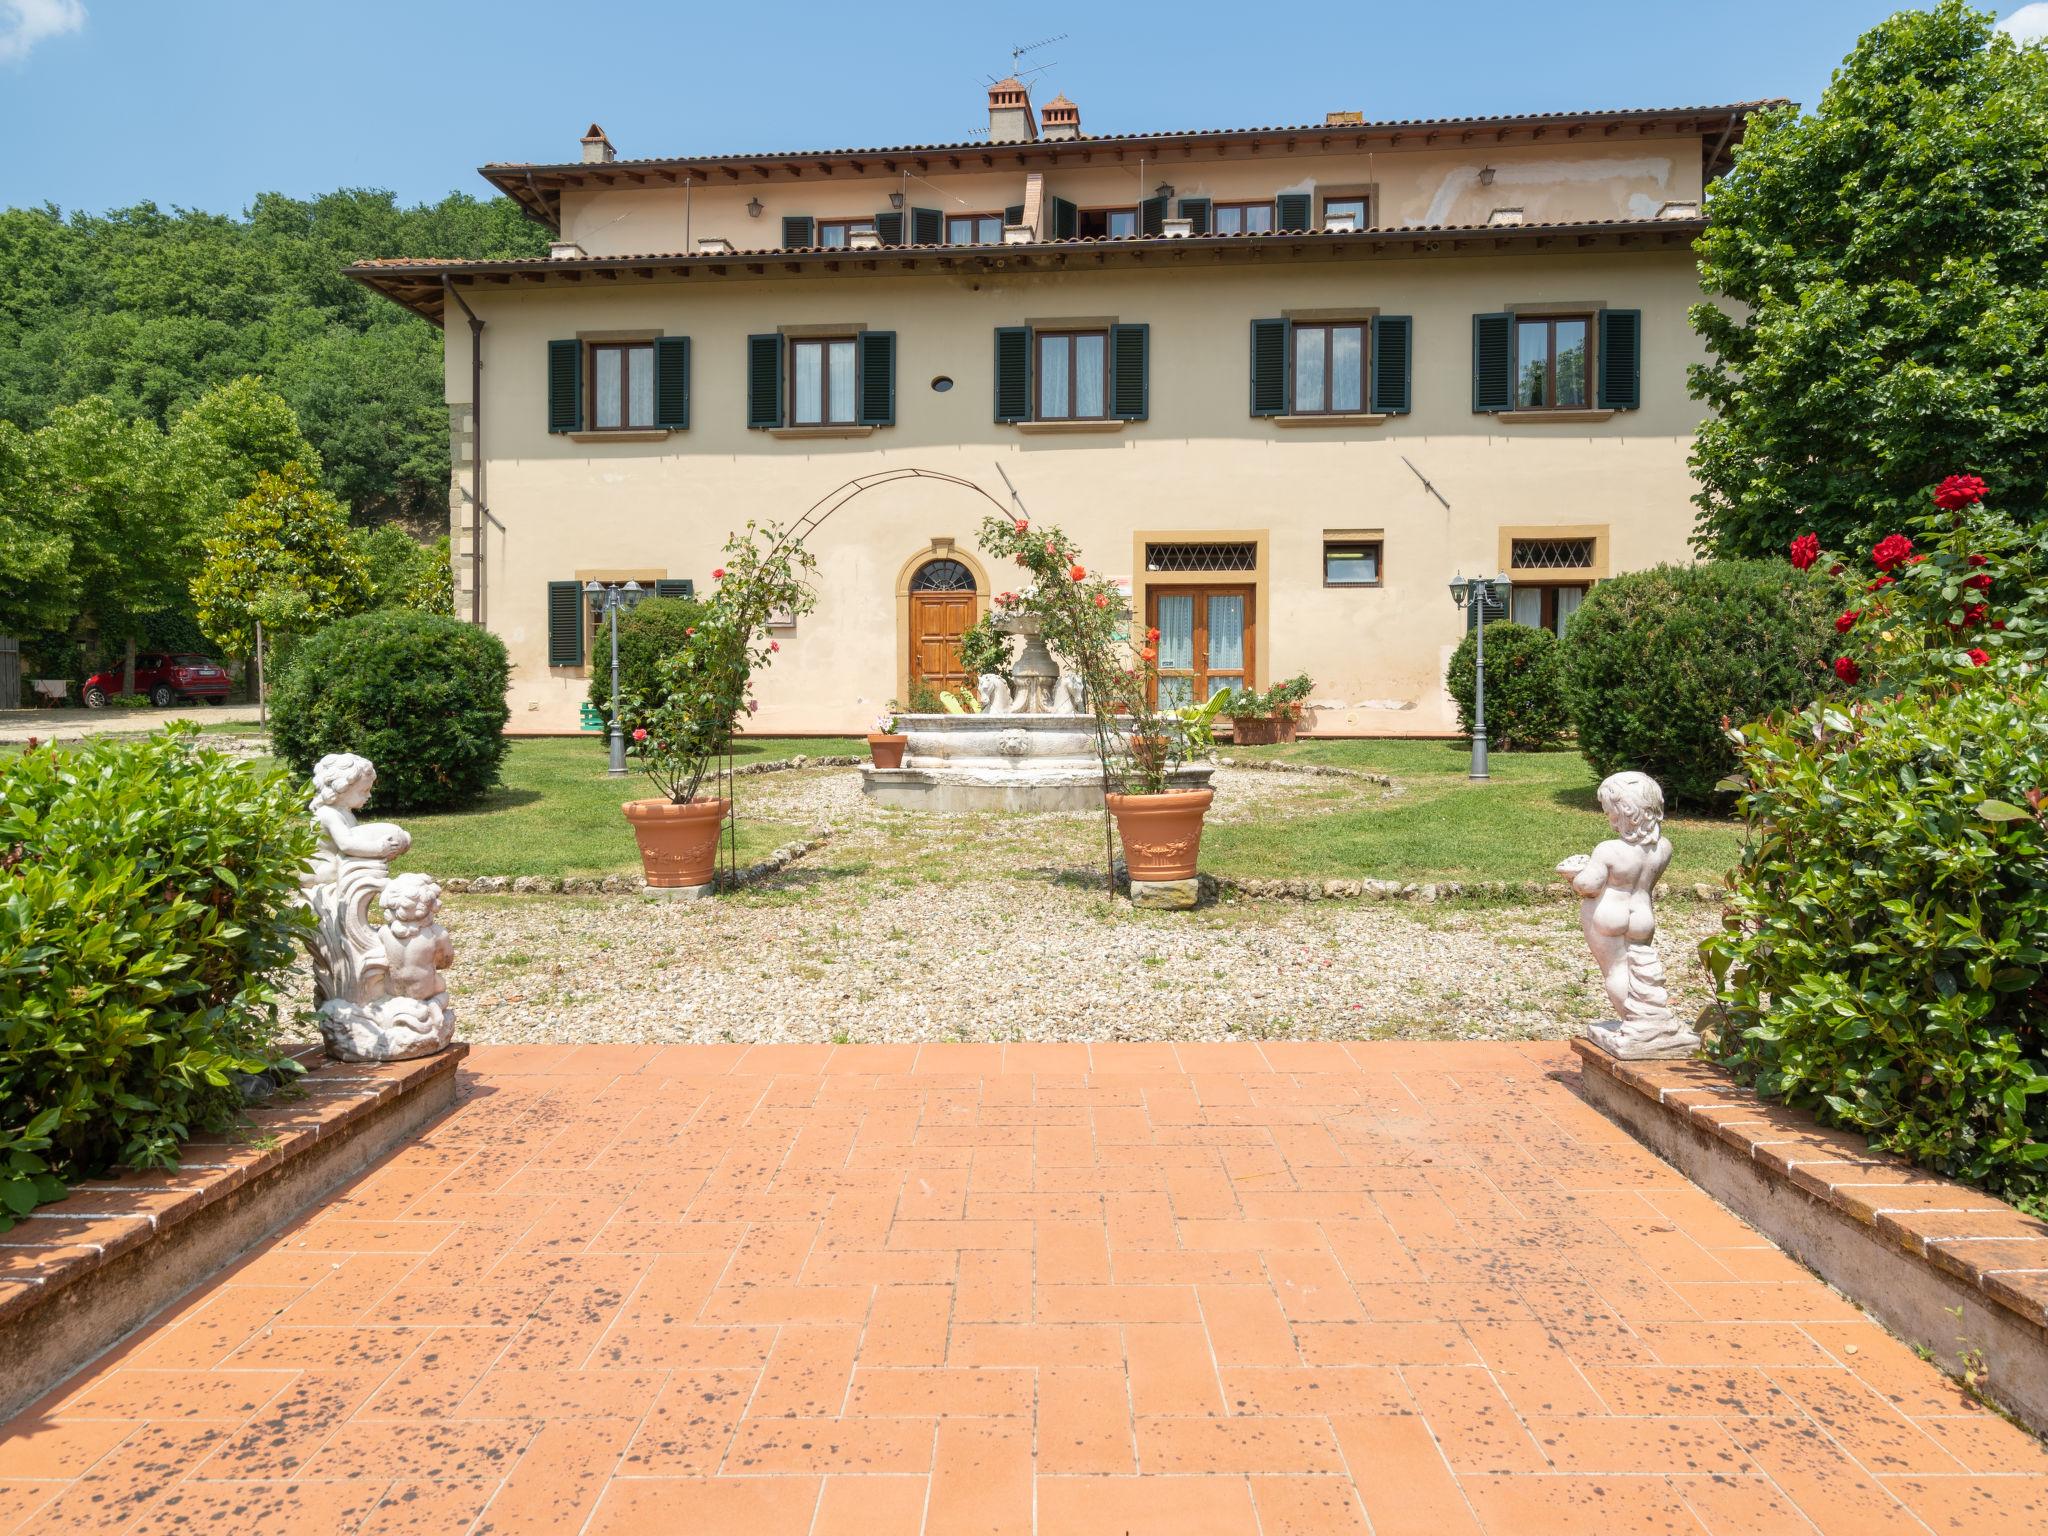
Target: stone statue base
column 1644, row 1040
column 395, row 1029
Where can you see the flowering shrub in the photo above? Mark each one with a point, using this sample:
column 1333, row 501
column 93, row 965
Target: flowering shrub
column 703, row 689
column 1882, row 961
column 1282, row 701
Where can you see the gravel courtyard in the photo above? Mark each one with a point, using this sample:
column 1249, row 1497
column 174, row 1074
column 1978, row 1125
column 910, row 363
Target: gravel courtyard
column 905, row 927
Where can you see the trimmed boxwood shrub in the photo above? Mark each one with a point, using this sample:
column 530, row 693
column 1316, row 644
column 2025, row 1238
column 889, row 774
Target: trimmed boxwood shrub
column 1655, row 661
column 148, row 915
column 650, row 631
column 1524, row 695
column 421, row 695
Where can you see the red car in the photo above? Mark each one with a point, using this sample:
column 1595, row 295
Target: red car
column 166, row 677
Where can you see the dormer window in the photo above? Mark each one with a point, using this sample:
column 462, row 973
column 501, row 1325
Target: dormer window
column 1241, row 218
column 974, row 229
column 840, row 232
column 1357, row 209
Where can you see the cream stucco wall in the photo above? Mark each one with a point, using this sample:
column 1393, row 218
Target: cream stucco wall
column 1200, row 463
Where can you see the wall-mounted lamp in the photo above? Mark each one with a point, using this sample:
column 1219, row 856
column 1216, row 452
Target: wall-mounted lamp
column 895, row 199
column 1164, row 189
column 754, row 208
column 1486, row 176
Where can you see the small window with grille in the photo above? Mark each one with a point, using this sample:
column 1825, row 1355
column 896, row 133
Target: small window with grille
column 1551, row 554
column 1202, row 557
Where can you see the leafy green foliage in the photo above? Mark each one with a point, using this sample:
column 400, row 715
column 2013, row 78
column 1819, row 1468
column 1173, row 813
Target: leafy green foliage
column 283, row 558
column 1656, row 663
column 1525, row 709
column 1284, row 698
column 148, row 913
column 402, row 572
column 650, row 632
column 1881, row 297
column 421, row 695
column 985, row 650
column 1883, row 959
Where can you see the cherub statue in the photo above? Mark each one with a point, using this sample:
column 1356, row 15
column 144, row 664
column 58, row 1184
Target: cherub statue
column 378, row 991
column 1616, row 884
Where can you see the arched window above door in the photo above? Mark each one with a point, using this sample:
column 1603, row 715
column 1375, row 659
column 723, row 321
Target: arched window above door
column 942, row 576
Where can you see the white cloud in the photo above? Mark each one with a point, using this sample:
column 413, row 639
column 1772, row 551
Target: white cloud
column 24, row 23
column 2028, row 24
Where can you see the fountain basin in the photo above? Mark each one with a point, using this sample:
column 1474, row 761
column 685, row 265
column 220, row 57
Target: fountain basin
column 967, row 763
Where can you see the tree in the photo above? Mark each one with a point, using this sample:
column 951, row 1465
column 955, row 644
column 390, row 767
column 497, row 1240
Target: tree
column 404, row 573
column 1882, row 264
column 282, row 558
column 38, row 586
column 235, row 433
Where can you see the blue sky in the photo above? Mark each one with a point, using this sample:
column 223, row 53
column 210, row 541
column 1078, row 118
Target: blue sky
column 204, row 103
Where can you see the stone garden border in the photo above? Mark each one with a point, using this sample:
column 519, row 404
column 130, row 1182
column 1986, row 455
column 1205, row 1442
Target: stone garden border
column 76, row 1276
column 1952, row 1270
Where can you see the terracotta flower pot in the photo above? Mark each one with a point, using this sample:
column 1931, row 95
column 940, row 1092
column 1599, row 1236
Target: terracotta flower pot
column 887, row 750
column 1161, row 834
column 1253, row 731
column 678, row 843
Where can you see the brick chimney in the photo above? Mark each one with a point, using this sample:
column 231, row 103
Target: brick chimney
column 1062, row 118
column 1009, row 113
column 597, row 149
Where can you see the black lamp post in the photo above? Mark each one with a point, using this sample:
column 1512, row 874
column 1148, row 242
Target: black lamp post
column 1479, row 592
column 616, row 598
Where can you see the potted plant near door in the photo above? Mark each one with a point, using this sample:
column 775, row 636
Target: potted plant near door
column 885, row 742
column 1266, row 719
column 1141, row 746
column 702, row 691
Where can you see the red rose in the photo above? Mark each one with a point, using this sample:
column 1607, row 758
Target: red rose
column 1101, row 601
column 1891, row 550
column 1976, row 613
column 718, row 574
column 774, row 645
column 639, row 733
column 1805, row 550
column 1847, row 621
column 1077, row 573
column 1959, row 491
column 1023, row 526
column 1835, row 569
column 1981, row 583
column 1881, row 582
column 1980, row 559
column 1847, row 670
column 1148, row 654
column 1152, row 635
column 1978, row 657
column 1998, row 624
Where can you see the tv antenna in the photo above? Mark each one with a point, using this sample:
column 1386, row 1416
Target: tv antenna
column 1019, row 50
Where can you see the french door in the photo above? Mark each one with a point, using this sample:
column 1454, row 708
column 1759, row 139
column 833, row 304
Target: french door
column 1205, row 641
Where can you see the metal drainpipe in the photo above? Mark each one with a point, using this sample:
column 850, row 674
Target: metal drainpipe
column 477, row 607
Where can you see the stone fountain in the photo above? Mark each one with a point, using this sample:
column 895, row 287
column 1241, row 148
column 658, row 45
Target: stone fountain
column 1030, row 746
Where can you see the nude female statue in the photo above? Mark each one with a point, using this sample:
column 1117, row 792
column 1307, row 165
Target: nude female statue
column 1616, row 884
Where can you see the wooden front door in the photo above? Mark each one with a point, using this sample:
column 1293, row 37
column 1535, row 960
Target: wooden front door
column 1205, row 641
column 936, row 620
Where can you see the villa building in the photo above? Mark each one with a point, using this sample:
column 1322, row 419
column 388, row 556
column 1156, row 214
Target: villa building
column 1288, row 381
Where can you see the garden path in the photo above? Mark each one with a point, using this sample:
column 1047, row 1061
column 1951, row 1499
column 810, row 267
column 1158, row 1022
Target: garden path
column 1132, row 1288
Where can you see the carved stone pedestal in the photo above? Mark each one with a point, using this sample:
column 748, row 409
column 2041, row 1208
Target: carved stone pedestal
column 1166, row 895
column 1668, row 1041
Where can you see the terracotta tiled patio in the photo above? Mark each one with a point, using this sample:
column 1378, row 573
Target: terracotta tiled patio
column 986, row 1289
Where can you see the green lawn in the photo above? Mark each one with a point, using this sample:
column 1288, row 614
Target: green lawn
column 1536, row 808
column 557, row 812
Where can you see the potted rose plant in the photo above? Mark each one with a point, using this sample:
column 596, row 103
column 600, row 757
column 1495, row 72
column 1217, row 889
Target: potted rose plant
column 885, row 742
column 702, row 691
column 1266, row 719
column 1141, row 747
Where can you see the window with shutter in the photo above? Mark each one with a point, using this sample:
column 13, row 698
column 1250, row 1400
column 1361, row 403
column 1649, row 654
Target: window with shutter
column 1620, row 359
column 1013, row 372
column 1014, row 214
column 799, row 230
column 672, row 382
column 675, row 587
column 764, row 381
column 876, row 380
column 565, row 386
column 1129, row 371
column 1066, row 220
column 565, row 624
column 1493, row 362
column 889, row 226
column 1393, row 354
column 927, row 226
column 1293, row 210
column 1196, row 211
column 1270, row 351
column 1152, row 216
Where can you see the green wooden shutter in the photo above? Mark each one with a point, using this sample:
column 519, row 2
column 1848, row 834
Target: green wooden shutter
column 1493, row 362
column 675, row 587
column 764, row 381
column 1066, row 220
column 874, row 375
column 1014, row 214
column 1152, row 216
column 798, row 230
column 1130, row 371
column 1196, row 209
column 672, row 381
column 1013, row 373
column 1294, row 211
column 927, row 226
column 1269, row 367
column 1497, row 610
column 1621, row 359
column 565, row 624
column 565, row 386
column 1393, row 363
column 889, row 226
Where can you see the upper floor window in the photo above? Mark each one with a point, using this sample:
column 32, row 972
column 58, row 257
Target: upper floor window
column 622, row 385
column 1108, row 223
column 1241, row 218
column 1357, row 208
column 821, row 388
column 1072, row 370
column 1551, row 354
column 974, row 229
column 842, row 231
column 1329, row 368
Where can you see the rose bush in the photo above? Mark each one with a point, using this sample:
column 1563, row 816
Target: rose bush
column 1883, row 957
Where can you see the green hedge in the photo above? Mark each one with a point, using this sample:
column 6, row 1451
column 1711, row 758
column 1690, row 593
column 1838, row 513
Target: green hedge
column 420, row 695
column 1524, row 691
column 148, row 916
column 1656, row 662
column 650, row 631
